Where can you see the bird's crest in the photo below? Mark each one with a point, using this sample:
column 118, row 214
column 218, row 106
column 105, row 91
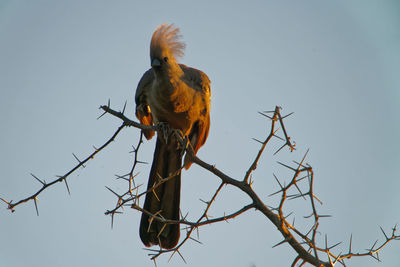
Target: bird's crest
column 166, row 38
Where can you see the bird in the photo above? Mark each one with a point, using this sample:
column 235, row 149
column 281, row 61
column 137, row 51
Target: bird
column 178, row 98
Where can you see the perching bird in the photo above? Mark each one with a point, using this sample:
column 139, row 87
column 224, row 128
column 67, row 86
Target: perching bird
column 179, row 96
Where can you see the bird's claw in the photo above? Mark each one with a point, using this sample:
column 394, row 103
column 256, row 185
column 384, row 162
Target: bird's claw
column 185, row 144
column 165, row 129
column 182, row 141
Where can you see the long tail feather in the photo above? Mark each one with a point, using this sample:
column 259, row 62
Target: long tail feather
column 164, row 200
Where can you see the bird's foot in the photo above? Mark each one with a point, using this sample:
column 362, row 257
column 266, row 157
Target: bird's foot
column 164, row 129
column 182, row 141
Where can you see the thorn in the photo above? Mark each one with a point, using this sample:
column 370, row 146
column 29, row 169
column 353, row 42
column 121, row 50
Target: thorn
column 377, row 256
column 258, row 141
column 325, row 216
column 205, row 202
column 298, row 163
column 184, row 217
column 113, row 192
column 334, row 245
column 302, row 178
column 80, row 162
column 283, row 189
column 270, row 111
column 112, row 220
column 372, row 248
column 330, row 259
column 277, row 136
column 350, row 243
column 394, row 229
column 301, row 193
column 36, row 207
column 152, row 250
column 104, row 113
column 338, row 259
column 122, row 176
column 320, row 202
column 155, row 194
column 280, row 149
column 134, row 176
column 181, row 256
column 384, row 233
column 265, row 115
column 123, row 110
column 195, row 240
column 308, row 216
column 40, row 181
column 134, row 148
column 151, row 219
column 295, row 196
column 287, row 166
column 287, row 216
column 66, row 184
column 251, row 180
column 276, row 178
column 284, row 117
column 280, row 243
column 162, row 229
column 304, row 157
column 326, row 242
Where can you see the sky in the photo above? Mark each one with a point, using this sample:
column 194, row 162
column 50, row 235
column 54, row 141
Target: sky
column 335, row 64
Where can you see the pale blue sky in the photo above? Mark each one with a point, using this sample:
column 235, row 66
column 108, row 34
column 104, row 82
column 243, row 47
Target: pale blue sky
column 335, row 64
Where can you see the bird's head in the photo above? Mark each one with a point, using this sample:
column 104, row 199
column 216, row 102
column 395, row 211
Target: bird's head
column 165, row 47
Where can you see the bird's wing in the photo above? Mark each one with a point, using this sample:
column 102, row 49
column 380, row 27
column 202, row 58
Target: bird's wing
column 143, row 112
column 199, row 81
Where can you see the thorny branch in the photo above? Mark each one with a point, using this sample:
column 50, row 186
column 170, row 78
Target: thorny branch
column 63, row 178
column 305, row 244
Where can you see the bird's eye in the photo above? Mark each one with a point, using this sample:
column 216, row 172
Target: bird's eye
column 165, row 59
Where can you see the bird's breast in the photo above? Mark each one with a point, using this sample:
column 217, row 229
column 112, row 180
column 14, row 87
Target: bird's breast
column 171, row 106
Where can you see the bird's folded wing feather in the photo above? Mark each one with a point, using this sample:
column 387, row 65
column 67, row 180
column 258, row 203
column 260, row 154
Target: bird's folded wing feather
column 199, row 81
column 143, row 112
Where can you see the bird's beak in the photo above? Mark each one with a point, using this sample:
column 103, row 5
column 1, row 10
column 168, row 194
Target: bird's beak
column 155, row 62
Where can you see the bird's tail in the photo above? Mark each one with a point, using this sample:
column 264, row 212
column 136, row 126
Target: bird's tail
column 164, row 199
